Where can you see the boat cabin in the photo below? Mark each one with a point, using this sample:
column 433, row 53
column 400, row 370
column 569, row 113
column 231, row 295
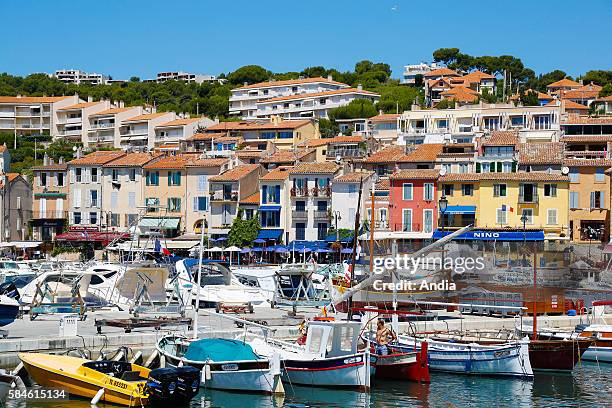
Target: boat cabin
column 332, row 339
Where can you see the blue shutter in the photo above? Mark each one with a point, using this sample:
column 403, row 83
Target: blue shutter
column 277, row 194
column 264, row 198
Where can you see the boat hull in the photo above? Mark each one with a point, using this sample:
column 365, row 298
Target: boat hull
column 556, row 355
column 600, row 354
column 403, row 366
column 80, row 388
column 351, row 371
column 8, row 313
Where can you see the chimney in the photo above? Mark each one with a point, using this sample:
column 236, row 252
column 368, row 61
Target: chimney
column 330, row 78
column 245, row 83
column 90, row 98
column 359, row 87
column 79, row 152
column 60, row 160
column 45, row 159
column 51, row 161
column 121, row 104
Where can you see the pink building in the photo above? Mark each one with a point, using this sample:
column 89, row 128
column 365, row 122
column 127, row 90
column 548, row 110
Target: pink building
column 413, row 202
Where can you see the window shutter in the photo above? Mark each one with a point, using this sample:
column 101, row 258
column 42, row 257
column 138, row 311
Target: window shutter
column 264, row 198
column 592, row 199
column 514, row 167
column 195, row 204
column 277, row 194
column 202, row 182
column 499, row 167
column 478, row 168
column 206, row 203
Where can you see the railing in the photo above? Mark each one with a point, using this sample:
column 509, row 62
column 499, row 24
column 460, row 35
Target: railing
column 586, row 154
column 346, row 153
column 50, row 214
column 299, row 192
column 103, row 125
column 321, row 192
column 221, row 196
column 321, row 215
column 299, row 215
column 528, row 200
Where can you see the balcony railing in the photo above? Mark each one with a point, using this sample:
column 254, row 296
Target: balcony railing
column 220, row 196
column 50, row 215
column 321, row 215
column 299, row 215
column 299, row 192
column 321, row 192
column 346, row 153
column 530, row 199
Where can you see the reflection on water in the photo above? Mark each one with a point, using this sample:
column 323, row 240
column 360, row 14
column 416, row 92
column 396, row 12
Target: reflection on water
column 589, row 386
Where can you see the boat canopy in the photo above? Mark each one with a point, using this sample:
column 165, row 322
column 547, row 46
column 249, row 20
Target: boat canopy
column 220, row 350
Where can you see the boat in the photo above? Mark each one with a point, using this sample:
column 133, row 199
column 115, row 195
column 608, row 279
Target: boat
column 109, row 381
column 226, row 364
column 405, row 366
column 17, row 272
column 509, row 360
column 329, row 358
column 7, row 381
column 9, row 303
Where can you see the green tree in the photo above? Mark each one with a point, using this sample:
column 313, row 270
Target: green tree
column 250, row 74
column 314, row 72
column 328, row 128
column 357, row 108
column 134, row 79
column 529, row 99
column 396, row 98
column 605, row 91
column 599, row 77
column 243, row 232
column 488, row 96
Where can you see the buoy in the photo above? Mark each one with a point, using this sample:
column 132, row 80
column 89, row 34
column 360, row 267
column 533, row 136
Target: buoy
column 207, row 372
column 162, row 361
column 97, row 397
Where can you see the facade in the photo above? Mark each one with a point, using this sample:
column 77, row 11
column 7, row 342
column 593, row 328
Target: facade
column 50, row 188
column 78, row 77
column 412, row 71
column 244, row 100
column 226, row 191
column 15, row 207
column 32, row 115
column 413, row 202
column 104, row 126
column 275, row 204
column 85, row 191
column 185, row 76
column 561, row 86
column 345, row 195
column 138, row 132
column 73, row 121
column 311, row 200
column 497, row 152
column 394, row 158
column 385, row 128
column 178, row 130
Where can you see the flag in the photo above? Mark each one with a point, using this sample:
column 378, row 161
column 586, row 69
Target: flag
column 166, row 252
column 511, row 209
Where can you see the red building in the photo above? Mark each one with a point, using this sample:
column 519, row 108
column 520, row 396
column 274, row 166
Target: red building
column 413, row 202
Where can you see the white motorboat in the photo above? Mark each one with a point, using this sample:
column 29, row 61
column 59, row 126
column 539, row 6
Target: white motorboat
column 17, row 272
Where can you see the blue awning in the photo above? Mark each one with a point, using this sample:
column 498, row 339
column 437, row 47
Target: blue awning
column 460, row 209
column 270, row 234
column 298, row 245
column 332, row 238
column 268, row 207
column 491, row 235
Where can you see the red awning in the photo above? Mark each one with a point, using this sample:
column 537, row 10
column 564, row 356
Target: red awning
column 92, row 236
column 607, row 249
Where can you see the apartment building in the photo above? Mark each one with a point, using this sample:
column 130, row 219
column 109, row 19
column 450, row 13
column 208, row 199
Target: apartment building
column 186, row 77
column 138, row 132
column 104, row 126
column 497, row 152
column 284, row 134
column 78, row 77
column 50, row 188
column 311, row 197
column 244, row 100
column 584, row 95
column 199, row 171
column 15, row 207
column 457, row 158
column 32, row 115
column 413, row 203
column 122, row 196
column 561, row 86
column 345, row 200
column 411, row 72
column 73, row 121
column 603, row 105
column 175, row 131
column 311, row 105
column 275, row 205
column 445, row 83
column 463, row 124
column 226, row 191
column 385, row 128
column 85, row 192
column 5, row 158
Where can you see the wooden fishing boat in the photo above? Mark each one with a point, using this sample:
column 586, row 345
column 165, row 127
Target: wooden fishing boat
column 115, row 382
column 403, row 366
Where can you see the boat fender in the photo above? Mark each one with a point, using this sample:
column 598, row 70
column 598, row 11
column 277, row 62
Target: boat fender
column 180, row 364
column 97, row 397
column 275, row 364
column 207, row 374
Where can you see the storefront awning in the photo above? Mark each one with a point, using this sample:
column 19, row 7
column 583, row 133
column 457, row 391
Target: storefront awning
column 91, row 236
column 460, row 209
column 162, row 223
column 382, row 235
column 492, row 235
column 269, row 207
column 270, row 234
column 332, row 238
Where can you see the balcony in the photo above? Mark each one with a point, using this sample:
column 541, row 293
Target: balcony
column 321, row 192
column 528, row 199
column 76, row 132
column 220, row 196
column 299, row 215
column 50, row 215
column 356, row 152
column 299, row 192
column 321, row 215
column 103, row 125
column 586, row 154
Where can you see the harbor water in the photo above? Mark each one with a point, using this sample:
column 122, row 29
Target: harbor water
column 590, row 385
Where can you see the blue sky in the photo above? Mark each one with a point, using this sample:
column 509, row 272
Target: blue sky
column 130, row 37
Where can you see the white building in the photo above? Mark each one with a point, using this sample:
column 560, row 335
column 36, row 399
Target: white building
column 138, row 132
column 104, row 125
column 32, row 115
column 411, row 71
column 244, row 100
column 73, row 120
column 275, row 204
column 461, row 125
column 345, row 193
column 185, row 76
column 75, row 76
column 178, row 130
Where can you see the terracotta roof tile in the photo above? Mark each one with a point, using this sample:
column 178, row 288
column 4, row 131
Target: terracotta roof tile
column 390, row 154
column 113, row 111
column 386, row 117
column 441, row 72
column 353, row 177
column 520, row 176
column 315, row 168
column 145, row 117
column 568, row 104
column 476, row 76
column 99, row 157
column 31, row 99
column 319, row 94
column 207, row 162
column 199, row 137
column 180, row 122
column 461, row 94
column 291, row 82
column 574, row 119
column 133, row 160
column 246, row 153
column 252, row 199
column 541, row 95
column 51, row 167
column 277, row 174
column 565, row 82
column 237, row 173
column 587, row 162
column 229, row 139
column 171, row 162
column 80, row 106
column 604, row 99
column 416, row 174
column 427, row 152
column 541, row 153
column 287, row 156
column 347, row 139
column 383, row 184
column 237, row 126
column 581, row 94
column 502, row 138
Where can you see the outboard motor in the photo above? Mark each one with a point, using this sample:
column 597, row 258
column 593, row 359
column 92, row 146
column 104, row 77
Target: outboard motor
column 176, row 383
column 9, row 289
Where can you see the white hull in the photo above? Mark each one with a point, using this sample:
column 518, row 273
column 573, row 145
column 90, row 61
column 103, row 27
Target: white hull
column 258, row 381
column 355, row 376
column 598, row 354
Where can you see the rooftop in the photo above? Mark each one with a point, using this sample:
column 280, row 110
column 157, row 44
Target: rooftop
column 51, row 167
column 133, row 160
column 521, row 176
column 277, row 174
column 386, row 117
column 287, row 156
column 252, row 125
column 417, row 174
column 390, row 154
column 99, row 157
column 292, row 82
column 564, row 83
column 427, row 152
column 172, row 162
column 353, row 177
column 318, row 94
column 502, row 138
column 180, row 122
column 441, row 72
column 541, row 153
column 237, row 173
column 587, row 162
column 146, row 117
column 80, row 106
column 315, row 168
column 31, row 99
column 207, row 162
column 252, row 199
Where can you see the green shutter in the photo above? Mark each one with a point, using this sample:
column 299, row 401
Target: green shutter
column 478, row 168
column 499, row 167
column 514, row 167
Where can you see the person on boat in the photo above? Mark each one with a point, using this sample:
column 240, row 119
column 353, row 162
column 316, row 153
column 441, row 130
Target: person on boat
column 384, row 336
column 303, row 332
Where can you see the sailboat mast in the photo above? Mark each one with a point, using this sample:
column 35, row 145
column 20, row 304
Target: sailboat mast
column 355, row 238
column 535, row 293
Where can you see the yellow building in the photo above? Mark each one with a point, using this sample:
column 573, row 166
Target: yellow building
column 498, row 201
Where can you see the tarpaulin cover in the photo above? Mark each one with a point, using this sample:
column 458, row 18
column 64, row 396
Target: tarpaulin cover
column 220, row 350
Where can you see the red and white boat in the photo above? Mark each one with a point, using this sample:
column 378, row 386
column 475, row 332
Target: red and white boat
column 403, row 366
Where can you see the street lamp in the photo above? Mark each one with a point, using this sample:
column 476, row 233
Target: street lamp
column 443, row 205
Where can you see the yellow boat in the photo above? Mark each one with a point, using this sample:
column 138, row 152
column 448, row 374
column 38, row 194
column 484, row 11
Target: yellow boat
column 123, row 383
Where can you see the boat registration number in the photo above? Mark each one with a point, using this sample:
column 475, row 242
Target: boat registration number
column 37, row 394
column 502, row 353
column 352, row 360
column 229, row 367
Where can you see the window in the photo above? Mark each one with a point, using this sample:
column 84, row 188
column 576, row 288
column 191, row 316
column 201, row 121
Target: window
column 499, row 190
column 76, row 218
column 132, row 199
column 428, row 191
column 43, row 179
column 574, row 199
column 300, row 231
column 200, row 204
column 447, row 167
column 321, row 205
column 132, row 173
column 131, row 219
column 485, row 167
column 528, row 193
column 152, row 178
column 114, row 199
column 507, row 167
column 517, row 121
column 114, row 220
column 321, row 230
column 428, row 221
column 60, row 179
column 463, row 168
column 447, row 189
column 501, row 216
column 93, row 198
column 407, row 191
column 406, row 220
column 248, row 214
column 442, row 124
column 202, row 181
column 268, row 135
column 270, row 218
column 467, row 189
column 352, row 188
column 574, row 175
column 78, row 175
column 93, row 218
column 551, row 218
column 152, row 204
column 285, row 135
column 94, row 175
column 599, row 175
column 550, row 190
column 174, row 204
column 76, row 198
column 174, row 178
column 528, row 212
column 597, row 199
column 115, row 175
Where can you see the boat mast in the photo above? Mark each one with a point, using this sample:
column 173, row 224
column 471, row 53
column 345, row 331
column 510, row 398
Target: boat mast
column 349, row 315
column 197, row 305
column 535, row 292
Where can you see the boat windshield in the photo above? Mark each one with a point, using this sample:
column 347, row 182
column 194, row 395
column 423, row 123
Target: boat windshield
column 9, row 265
column 212, row 274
